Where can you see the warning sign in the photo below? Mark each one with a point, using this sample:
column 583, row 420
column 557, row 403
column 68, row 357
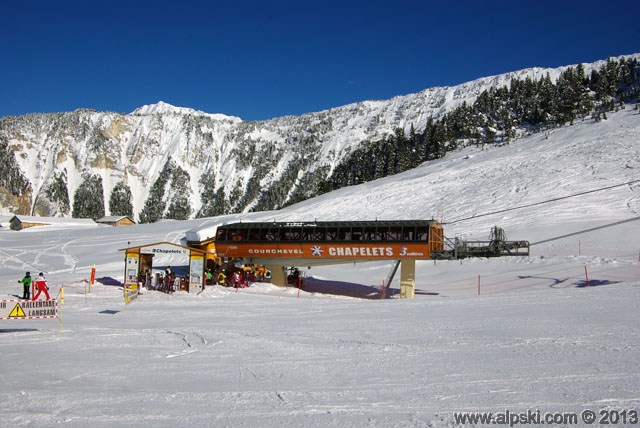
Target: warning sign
column 27, row 309
column 17, row 312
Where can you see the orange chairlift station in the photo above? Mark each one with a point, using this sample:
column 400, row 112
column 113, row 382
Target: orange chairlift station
column 277, row 245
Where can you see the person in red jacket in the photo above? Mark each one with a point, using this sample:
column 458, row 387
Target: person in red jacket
column 41, row 286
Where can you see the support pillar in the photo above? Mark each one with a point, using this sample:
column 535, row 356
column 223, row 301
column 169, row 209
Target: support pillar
column 407, row 279
column 278, row 275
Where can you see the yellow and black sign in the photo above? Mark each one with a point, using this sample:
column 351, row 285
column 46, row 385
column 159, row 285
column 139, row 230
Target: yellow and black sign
column 130, row 292
column 27, row 309
column 17, row 312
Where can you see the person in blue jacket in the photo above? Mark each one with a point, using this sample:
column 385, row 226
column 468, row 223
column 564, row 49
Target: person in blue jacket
column 26, row 286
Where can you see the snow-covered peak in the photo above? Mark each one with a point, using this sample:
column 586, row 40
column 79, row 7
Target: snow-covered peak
column 162, row 108
column 165, row 109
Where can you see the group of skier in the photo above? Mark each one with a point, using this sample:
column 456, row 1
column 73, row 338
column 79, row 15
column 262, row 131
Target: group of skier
column 237, row 277
column 165, row 281
column 40, row 285
column 228, row 276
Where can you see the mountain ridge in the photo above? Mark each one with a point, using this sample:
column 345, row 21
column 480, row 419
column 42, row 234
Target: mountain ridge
column 210, row 163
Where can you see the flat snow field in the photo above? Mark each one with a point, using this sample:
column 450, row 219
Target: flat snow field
column 261, row 356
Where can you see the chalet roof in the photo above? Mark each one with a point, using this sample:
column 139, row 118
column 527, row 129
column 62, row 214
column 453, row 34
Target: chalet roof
column 53, row 220
column 112, row 218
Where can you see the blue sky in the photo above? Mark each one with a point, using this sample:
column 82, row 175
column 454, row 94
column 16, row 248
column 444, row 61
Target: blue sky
column 264, row 59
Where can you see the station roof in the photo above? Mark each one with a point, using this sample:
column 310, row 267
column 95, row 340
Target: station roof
column 310, row 224
column 139, row 248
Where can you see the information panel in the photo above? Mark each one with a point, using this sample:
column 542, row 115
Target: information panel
column 130, row 292
column 196, row 273
column 132, row 267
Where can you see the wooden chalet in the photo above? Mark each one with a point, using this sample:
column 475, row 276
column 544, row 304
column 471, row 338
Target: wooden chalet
column 122, row 220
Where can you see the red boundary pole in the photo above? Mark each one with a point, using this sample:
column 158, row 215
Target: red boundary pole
column 478, row 285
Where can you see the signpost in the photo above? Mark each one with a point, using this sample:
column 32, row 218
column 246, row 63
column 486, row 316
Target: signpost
column 93, row 277
column 130, row 292
column 196, row 273
column 139, row 259
column 131, row 267
column 30, row 310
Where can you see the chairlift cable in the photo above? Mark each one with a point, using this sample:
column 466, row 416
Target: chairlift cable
column 542, row 202
column 586, row 230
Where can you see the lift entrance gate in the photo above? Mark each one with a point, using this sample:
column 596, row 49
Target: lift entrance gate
column 140, row 259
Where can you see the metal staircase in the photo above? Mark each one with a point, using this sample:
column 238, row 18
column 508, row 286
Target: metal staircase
column 497, row 246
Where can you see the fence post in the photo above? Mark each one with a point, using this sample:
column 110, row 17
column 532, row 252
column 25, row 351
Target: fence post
column 478, row 285
column 586, row 274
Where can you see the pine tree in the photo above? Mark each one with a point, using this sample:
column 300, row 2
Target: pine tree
column 179, row 187
column 155, row 204
column 207, row 184
column 179, row 208
column 11, row 177
column 220, row 205
column 88, row 201
column 120, row 200
column 402, row 150
column 58, row 193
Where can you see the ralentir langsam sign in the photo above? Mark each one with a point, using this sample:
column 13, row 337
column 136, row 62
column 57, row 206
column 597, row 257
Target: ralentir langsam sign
column 27, row 309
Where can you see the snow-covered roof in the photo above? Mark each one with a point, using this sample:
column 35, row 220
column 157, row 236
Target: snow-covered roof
column 112, row 218
column 54, row 220
column 4, row 220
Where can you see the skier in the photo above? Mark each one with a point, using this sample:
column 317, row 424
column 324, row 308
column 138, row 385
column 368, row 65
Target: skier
column 147, row 279
column 222, row 277
column 26, row 286
column 41, row 286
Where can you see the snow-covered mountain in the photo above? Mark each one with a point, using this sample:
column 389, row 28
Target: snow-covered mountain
column 183, row 161
column 536, row 339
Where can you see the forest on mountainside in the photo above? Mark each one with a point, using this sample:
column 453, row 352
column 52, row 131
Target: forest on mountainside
column 498, row 116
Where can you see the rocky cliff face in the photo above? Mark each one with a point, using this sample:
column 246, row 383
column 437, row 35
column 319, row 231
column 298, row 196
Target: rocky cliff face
column 190, row 163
